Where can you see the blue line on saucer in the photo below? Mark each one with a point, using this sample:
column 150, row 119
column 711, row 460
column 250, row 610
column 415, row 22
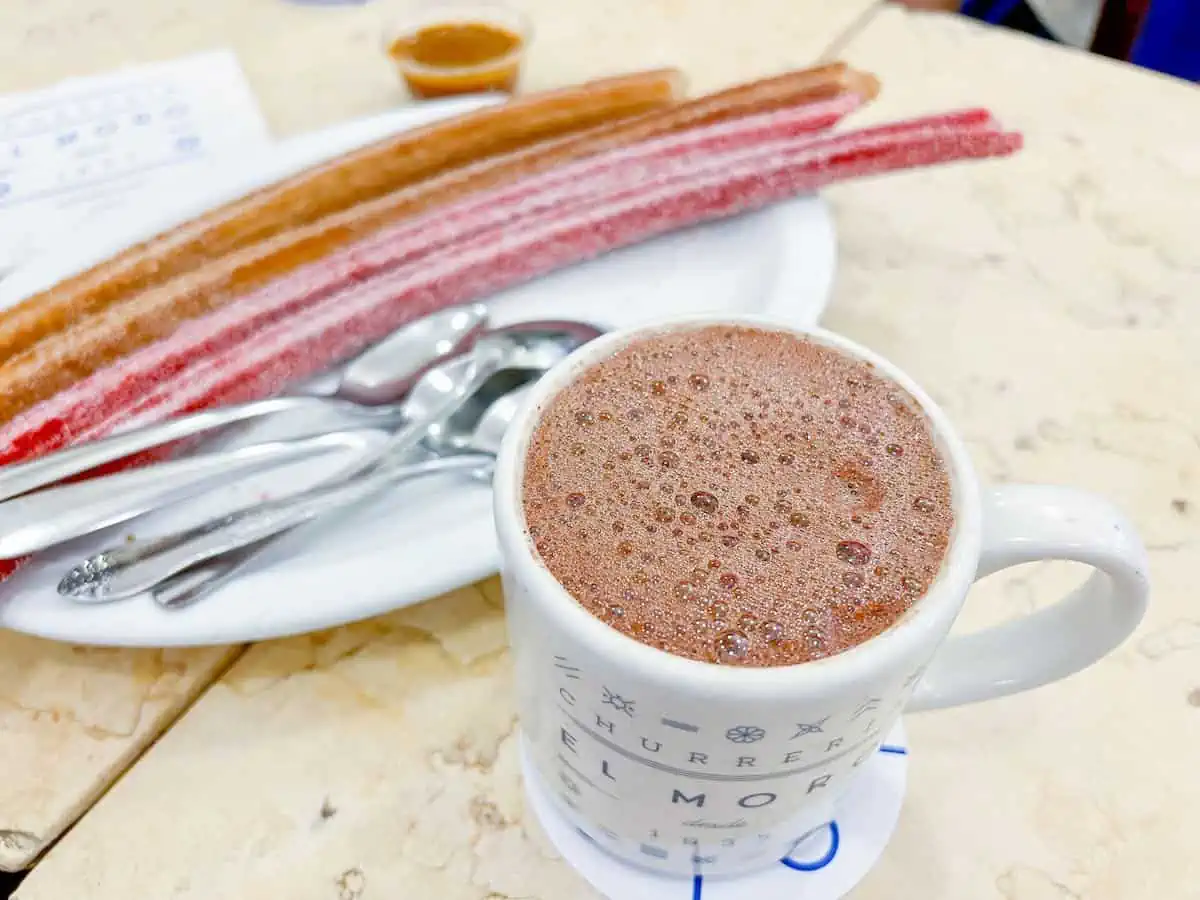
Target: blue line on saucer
column 835, row 841
column 893, row 748
column 697, row 886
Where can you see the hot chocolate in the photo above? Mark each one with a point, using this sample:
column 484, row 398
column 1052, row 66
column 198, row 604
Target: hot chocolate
column 738, row 496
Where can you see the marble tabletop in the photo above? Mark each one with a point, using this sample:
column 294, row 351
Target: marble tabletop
column 1043, row 302
column 71, row 720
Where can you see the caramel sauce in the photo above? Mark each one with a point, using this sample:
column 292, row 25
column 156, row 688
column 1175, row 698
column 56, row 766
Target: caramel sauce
column 458, row 58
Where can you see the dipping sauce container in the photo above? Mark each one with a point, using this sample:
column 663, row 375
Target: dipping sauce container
column 459, row 48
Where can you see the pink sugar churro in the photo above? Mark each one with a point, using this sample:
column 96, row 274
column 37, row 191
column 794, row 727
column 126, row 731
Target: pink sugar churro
column 63, row 418
column 118, row 401
column 351, row 320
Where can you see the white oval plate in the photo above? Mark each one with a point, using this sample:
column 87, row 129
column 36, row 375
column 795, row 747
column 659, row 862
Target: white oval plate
column 424, row 539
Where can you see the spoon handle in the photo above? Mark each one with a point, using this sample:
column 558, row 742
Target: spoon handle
column 121, row 572
column 188, row 585
column 24, row 477
column 126, row 572
column 198, row 581
column 44, row 519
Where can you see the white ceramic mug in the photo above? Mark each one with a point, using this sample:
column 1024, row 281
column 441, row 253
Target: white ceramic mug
column 692, row 768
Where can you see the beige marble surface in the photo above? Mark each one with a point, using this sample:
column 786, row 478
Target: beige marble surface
column 1048, row 304
column 1045, row 302
column 314, row 65
column 72, row 720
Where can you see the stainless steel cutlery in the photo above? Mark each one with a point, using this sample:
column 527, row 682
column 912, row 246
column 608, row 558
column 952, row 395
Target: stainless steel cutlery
column 126, row 571
column 443, row 389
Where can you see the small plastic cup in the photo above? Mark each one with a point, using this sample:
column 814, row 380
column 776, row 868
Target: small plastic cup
column 448, row 48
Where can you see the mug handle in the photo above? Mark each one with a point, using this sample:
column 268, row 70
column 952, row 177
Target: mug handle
column 1026, row 523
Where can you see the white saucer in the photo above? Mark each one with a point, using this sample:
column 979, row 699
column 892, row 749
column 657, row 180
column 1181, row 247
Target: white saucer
column 824, row 866
column 427, row 538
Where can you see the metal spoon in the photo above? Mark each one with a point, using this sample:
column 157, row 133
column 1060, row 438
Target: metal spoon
column 386, row 372
column 472, row 452
column 125, row 571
